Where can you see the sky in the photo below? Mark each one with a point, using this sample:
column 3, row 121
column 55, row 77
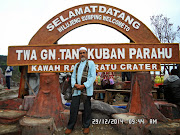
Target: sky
column 21, row 19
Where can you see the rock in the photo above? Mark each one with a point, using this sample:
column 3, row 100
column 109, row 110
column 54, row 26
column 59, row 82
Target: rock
column 98, row 115
column 103, row 108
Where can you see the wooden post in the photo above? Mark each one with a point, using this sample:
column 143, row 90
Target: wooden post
column 48, row 103
column 22, row 89
column 141, row 100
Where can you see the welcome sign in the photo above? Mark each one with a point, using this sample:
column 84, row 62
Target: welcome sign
column 108, row 57
column 42, row 55
column 93, row 13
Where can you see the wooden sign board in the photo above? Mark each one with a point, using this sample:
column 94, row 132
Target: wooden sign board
column 127, row 67
column 93, row 13
column 102, row 54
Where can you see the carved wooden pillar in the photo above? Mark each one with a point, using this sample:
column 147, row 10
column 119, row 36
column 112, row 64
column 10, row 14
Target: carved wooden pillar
column 48, row 102
column 141, row 101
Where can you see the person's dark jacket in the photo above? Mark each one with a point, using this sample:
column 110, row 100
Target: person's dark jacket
column 172, row 89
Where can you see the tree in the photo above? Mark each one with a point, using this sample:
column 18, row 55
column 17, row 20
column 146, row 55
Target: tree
column 163, row 29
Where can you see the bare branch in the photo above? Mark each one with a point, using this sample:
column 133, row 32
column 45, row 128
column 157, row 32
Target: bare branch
column 163, row 29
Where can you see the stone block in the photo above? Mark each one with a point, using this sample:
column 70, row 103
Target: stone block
column 10, row 116
column 37, row 126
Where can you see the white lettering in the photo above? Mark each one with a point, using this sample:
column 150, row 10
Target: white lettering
column 71, row 14
column 107, row 66
column 75, row 53
column 102, row 9
column 93, row 8
column 139, row 54
column 87, row 10
column 106, row 53
column 62, row 51
column 123, row 66
column 33, row 68
column 113, row 66
column 78, row 12
column 97, row 67
column 154, row 66
column 129, row 20
column 100, row 53
column 153, row 54
column 90, row 53
column 121, row 53
column 51, row 68
column 44, row 54
column 66, row 67
column 135, row 67
column 19, row 54
column 56, row 22
column 109, row 11
column 50, row 27
column 102, row 67
column 146, row 52
column 170, row 53
column 33, row 55
column 52, row 54
column 26, row 54
column 45, row 67
column 132, row 51
column 136, row 25
column 113, row 54
column 161, row 53
column 115, row 12
column 68, row 54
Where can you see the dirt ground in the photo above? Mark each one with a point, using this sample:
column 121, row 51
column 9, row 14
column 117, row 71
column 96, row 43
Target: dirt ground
column 94, row 130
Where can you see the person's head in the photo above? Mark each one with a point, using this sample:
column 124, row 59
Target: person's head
column 174, row 72
column 83, row 53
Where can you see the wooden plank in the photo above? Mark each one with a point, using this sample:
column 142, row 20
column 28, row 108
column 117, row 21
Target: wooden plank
column 100, row 54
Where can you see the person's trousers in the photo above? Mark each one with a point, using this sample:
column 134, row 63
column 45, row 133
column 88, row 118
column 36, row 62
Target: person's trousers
column 8, row 81
column 86, row 114
column 126, row 74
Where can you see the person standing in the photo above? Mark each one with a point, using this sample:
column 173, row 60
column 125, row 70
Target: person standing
column 8, row 74
column 172, row 88
column 82, row 80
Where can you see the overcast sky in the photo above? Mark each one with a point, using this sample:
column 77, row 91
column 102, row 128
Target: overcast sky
column 21, row 19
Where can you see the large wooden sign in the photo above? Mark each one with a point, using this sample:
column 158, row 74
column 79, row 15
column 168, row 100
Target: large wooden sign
column 93, row 13
column 42, row 55
column 108, row 57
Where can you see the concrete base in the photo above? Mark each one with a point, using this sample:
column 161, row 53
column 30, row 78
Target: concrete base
column 169, row 110
column 139, row 125
column 12, row 129
column 37, row 126
column 130, row 123
column 10, row 116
